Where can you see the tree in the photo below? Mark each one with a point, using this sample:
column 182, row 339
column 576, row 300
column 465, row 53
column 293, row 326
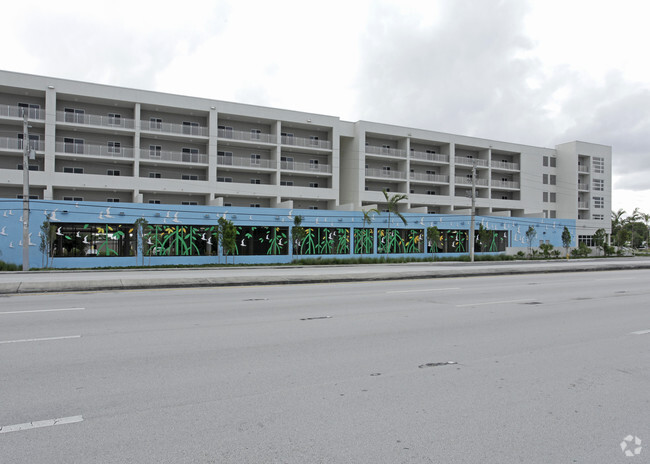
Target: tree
column 566, row 240
column 617, row 222
column 48, row 232
column 298, row 233
column 645, row 217
column 228, row 233
column 141, row 225
column 531, row 233
column 600, row 239
column 433, row 237
column 392, row 202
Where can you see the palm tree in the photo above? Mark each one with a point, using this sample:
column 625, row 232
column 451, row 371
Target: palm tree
column 393, row 207
column 367, row 219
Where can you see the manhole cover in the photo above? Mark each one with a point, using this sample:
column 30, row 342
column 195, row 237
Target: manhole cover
column 437, row 364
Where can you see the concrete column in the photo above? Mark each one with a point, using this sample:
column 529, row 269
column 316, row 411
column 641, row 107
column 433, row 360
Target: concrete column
column 136, row 143
column 50, row 141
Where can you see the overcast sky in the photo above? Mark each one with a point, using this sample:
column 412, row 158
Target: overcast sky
column 538, row 72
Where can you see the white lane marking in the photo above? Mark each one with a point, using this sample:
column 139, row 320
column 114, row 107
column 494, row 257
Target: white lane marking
column 640, row 332
column 39, row 339
column 425, row 290
column 42, row 310
column 39, row 424
column 492, row 302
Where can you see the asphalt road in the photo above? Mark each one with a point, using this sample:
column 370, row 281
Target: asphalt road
column 546, row 369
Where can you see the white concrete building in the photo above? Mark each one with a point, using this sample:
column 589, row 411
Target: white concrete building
column 102, row 143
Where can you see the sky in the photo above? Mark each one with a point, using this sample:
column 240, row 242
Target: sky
column 536, row 72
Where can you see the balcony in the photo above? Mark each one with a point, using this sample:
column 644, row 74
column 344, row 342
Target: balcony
column 95, row 120
column 466, row 181
column 175, row 129
column 102, row 151
column 305, row 167
column 304, row 142
column 230, row 134
column 243, row 162
column 16, row 144
column 506, row 184
column 464, row 161
column 373, row 150
column 9, row 111
column 583, row 187
column 417, row 176
column 173, row 156
column 583, row 205
column 384, row 174
column 424, row 156
column 583, row 168
column 504, row 165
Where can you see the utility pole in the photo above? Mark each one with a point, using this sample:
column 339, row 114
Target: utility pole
column 26, row 155
column 471, row 226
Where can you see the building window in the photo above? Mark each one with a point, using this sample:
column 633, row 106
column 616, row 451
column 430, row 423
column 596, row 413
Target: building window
column 114, row 119
column 313, row 140
column 155, row 123
column 32, row 167
column 73, row 170
column 545, row 161
column 31, row 197
column 599, row 185
column 288, row 183
column 190, row 127
column 155, row 175
column 155, row 151
column 287, row 138
column 113, row 172
column 190, row 177
column 552, row 179
column 228, row 205
column 73, row 115
column 73, row 199
column 431, row 192
column 255, row 134
column 190, row 155
column 598, row 217
column 72, row 145
column 552, row 197
column 288, row 160
column 545, row 197
column 545, row 179
column 599, row 202
column 553, row 214
column 505, row 197
column 189, row 203
column 256, row 181
column 31, row 108
column 154, row 202
column 224, row 131
column 412, row 191
column 313, row 163
column 553, row 162
column 586, row 239
column 313, row 184
column 431, row 173
column 254, row 205
column 34, row 140
column 112, row 200
column 598, row 164
column 224, row 179
column 255, row 159
column 114, row 147
column 224, row 157
column 313, row 207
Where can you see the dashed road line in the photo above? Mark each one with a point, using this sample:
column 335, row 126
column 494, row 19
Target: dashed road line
column 492, row 302
column 24, row 340
column 424, row 290
column 42, row 310
column 640, row 332
column 42, row 423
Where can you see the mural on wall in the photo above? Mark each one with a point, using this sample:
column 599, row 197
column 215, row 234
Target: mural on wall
column 455, row 241
column 325, row 241
column 75, row 240
column 400, row 241
column 262, row 240
column 364, row 241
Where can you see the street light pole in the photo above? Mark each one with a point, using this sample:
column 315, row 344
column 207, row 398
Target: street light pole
column 471, row 226
column 25, row 192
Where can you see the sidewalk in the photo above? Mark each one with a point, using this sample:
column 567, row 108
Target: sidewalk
column 97, row 280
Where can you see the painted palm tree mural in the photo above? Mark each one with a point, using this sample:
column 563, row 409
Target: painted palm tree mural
column 324, row 241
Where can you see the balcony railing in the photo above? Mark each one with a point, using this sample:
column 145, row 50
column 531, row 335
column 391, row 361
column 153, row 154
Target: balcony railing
column 10, row 111
column 385, row 174
column 95, row 120
column 172, row 128
column 421, row 155
column 505, row 184
column 429, row 177
column 304, row 142
column 583, row 168
column 245, row 136
column 505, row 165
column 11, row 143
column 174, row 156
column 583, row 205
column 305, row 167
column 93, row 150
column 373, row 150
column 582, row 186
column 462, row 160
column 245, row 162
column 468, row 182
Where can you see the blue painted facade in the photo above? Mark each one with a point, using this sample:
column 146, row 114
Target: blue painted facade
column 99, row 232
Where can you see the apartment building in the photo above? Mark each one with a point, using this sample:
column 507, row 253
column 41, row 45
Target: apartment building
column 105, row 144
